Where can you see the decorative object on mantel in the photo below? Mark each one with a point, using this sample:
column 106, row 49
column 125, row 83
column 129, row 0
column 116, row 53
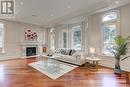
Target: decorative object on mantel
column 30, row 35
column 120, row 52
column 44, row 48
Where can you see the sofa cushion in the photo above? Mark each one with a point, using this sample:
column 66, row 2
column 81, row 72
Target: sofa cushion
column 64, row 51
column 69, row 55
column 58, row 51
column 76, row 54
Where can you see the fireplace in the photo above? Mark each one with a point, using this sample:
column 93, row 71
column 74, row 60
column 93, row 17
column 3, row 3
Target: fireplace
column 30, row 51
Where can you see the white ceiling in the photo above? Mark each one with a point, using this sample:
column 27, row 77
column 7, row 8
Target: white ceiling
column 49, row 12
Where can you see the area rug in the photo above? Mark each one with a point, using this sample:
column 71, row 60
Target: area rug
column 53, row 68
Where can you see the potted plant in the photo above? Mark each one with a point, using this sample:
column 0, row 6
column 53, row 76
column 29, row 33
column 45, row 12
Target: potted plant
column 120, row 51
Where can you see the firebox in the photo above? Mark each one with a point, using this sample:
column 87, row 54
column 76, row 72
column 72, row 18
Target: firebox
column 30, row 51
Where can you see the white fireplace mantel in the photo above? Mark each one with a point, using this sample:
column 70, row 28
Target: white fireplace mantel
column 24, row 45
column 30, row 43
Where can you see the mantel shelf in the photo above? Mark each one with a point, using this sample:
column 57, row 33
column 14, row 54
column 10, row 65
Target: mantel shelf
column 30, row 43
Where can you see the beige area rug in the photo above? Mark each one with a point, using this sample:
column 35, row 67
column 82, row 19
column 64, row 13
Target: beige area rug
column 52, row 68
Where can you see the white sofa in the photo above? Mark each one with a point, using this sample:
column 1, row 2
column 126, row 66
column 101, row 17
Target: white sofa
column 76, row 58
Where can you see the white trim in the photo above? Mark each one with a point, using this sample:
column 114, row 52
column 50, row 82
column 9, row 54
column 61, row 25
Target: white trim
column 51, row 31
column 73, row 28
column 104, row 15
column 3, row 37
column 117, row 23
column 66, row 38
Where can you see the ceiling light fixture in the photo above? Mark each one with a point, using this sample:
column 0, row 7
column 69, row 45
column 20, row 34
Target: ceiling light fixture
column 52, row 15
column 117, row 1
column 33, row 15
column 21, row 3
column 69, row 6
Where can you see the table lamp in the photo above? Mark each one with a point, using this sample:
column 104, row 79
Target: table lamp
column 92, row 51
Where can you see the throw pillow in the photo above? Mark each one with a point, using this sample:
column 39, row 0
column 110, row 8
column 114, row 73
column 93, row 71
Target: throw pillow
column 72, row 52
column 64, row 51
column 57, row 51
column 69, row 52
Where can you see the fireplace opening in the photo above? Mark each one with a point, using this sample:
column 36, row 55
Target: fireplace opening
column 30, row 51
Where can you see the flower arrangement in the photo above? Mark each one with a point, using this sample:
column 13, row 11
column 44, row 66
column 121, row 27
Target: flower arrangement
column 30, row 35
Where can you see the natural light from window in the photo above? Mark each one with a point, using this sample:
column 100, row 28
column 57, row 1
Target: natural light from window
column 110, row 16
column 64, row 39
column 109, row 32
column 76, row 37
column 1, row 35
column 52, row 39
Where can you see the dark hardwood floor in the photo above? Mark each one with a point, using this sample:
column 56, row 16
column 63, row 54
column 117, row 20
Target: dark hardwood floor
column 17, row 73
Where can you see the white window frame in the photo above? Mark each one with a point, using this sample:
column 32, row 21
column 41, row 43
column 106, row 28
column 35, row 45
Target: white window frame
column 52, row 34
column 113, row 21
column 64, row 31
column 73, row 29
column 3, row 36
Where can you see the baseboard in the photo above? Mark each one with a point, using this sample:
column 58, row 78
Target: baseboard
column 9, row 59
column 29, row 56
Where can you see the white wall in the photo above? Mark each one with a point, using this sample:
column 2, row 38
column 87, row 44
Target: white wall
column 14, row 35
column 12, row 40
column 40, row 32
column 95, row 34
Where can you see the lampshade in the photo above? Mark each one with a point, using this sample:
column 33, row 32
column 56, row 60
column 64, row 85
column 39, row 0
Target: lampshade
column 92, row 50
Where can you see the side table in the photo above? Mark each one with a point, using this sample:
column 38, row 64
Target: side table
column 94, row 60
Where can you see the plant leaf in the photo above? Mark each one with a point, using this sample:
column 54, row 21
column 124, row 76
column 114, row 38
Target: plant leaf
column 125, row 58
column 119, row 40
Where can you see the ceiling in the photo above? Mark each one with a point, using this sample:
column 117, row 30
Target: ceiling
column 49, row 12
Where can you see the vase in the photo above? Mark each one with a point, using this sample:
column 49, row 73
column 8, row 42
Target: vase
column 117, row 68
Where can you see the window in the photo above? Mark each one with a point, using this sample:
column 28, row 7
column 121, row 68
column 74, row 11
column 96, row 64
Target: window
column 109, row 32
column 52, row 39
column 64, row 39
column 1, row 36
column 76, row 37
column 110, row 16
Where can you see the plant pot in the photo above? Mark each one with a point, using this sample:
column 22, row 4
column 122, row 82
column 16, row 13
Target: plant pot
column 117, row 71
column 117, row 68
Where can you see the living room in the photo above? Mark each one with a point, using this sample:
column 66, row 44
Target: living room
column 64, row 36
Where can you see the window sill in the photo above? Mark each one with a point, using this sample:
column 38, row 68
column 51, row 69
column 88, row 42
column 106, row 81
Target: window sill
column 78, row 50
column 2, row 52
column 109, row 56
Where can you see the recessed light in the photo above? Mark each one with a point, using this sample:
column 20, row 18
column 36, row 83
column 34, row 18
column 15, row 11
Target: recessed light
column 33, row 15
column 117, row 2
column 21, row 3
column 52, row 15
column 69, row 6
